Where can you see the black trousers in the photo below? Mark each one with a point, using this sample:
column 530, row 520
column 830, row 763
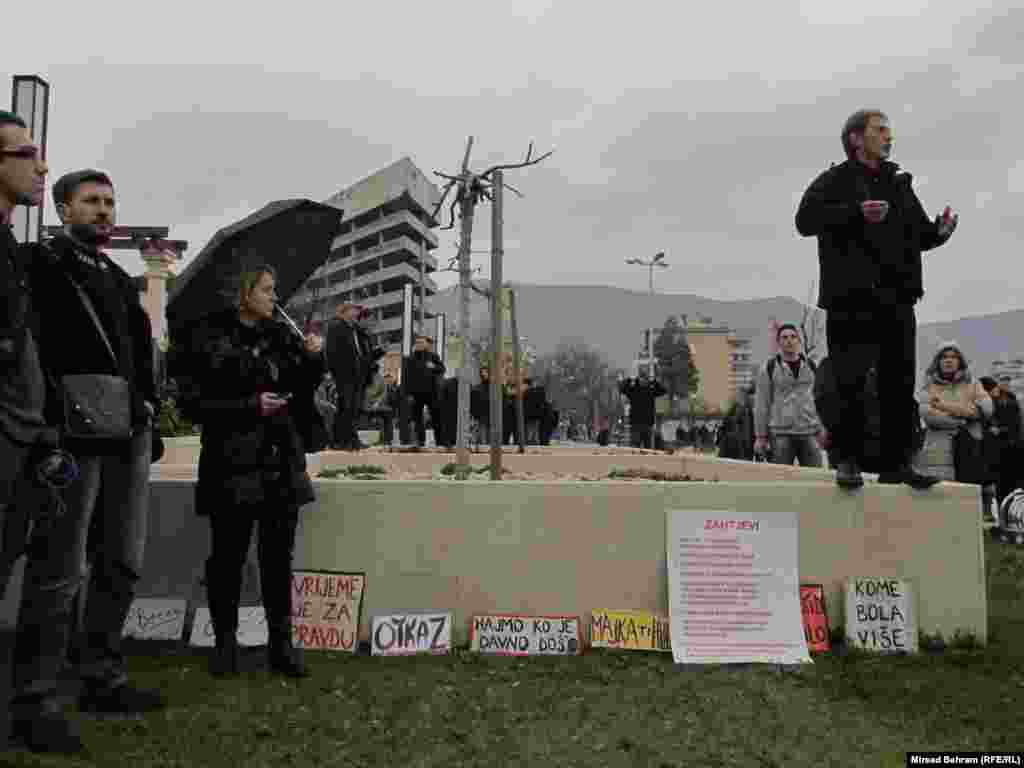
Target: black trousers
column 640, row 435
column 231, row 531
column 883, row 336
column 419, row 401
column 350, row 395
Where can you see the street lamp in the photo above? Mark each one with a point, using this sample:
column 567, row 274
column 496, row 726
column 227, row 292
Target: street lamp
column 657, row 261
column 30, row 100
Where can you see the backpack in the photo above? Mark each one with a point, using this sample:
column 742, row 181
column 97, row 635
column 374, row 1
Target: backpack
column 778, row 360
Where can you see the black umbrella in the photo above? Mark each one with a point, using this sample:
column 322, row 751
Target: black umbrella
column 292, row 236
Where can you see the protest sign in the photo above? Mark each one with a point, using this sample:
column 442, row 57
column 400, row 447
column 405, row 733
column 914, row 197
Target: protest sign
column 513, row 634
column 404, row 634
column 152, row 618
column 733, row 587
column 325, row 610
column 812, row 607
column 880, row 615
column 630, row 630
column 252, row 627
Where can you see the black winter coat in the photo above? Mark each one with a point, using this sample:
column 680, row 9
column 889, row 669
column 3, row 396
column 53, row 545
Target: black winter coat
column 247, row 458
column 641, row 397
column 69, row 342
column 864, row 264
column 423, row 380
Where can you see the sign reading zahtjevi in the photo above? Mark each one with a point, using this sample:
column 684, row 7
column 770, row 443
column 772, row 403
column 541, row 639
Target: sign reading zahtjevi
column 406, row 634
column 326, row 608
column 630, row 631
column 513, row 634
column 734, row 591
column 880, row 615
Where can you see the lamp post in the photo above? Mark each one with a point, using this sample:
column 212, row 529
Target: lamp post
column 657, row 261
column 30, row 100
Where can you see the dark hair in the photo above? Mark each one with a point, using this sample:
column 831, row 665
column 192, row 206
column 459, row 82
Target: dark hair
column 250, row 277
column 786, row 327
column 9, row 118
column 66, row 186
column 527, row 381
column 858, row 123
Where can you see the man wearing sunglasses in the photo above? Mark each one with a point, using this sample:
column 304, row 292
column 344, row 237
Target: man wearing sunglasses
column 23, row 431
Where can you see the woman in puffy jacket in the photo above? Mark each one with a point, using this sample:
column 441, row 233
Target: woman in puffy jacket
column 256, row 381
column 951, row 398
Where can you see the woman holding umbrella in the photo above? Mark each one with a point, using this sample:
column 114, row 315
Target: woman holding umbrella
column 256, row 380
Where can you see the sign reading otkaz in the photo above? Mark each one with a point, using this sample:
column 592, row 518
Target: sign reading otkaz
column 326, row 608
column 155, row 619
column 519, row 635
column 880, row 615
column 630, row 630
column 733, row 587
column 405, row 634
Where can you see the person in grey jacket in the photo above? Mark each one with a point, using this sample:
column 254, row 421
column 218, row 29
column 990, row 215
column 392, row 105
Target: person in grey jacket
column 786, row 422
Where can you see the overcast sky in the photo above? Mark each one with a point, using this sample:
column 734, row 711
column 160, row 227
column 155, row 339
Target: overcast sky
column 686, row 128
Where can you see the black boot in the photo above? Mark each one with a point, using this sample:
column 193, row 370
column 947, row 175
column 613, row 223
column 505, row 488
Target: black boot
column 282, row 656
column 224, row 615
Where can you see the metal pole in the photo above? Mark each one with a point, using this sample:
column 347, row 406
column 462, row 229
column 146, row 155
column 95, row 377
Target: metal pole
column 423, row 283
column 497, row 340
column 516, row 374
column 466, row 371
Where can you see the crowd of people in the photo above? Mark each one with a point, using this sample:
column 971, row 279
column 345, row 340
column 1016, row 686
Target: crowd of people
column 79, row 397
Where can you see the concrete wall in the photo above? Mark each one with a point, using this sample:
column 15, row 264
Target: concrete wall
column 573, row 546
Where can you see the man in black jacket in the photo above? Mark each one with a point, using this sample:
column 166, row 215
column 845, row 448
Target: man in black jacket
column 91, row 323
column 425, row 371
column 871, row 230
column 641, row 393
column 38, row 725
column 347, row 358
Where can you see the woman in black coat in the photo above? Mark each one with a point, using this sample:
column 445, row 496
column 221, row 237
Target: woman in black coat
column 256, row 381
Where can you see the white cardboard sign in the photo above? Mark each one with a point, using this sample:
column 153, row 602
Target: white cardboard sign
column 152, row 618
column 405, row 634
column 512, row 634
column 734, row 589
column 252, row 627
column 880, row 615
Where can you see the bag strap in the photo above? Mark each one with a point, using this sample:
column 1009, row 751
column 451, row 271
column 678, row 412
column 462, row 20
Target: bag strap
column 91, row 310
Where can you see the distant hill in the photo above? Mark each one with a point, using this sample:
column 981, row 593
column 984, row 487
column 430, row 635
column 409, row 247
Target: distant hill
column 612, row 319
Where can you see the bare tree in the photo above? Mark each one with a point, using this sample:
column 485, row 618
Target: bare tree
column 812, row 327
column 470, row 189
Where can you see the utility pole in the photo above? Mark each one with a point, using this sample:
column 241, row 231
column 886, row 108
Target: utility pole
column 423, row 285
column 497, row 340
column 517, row 376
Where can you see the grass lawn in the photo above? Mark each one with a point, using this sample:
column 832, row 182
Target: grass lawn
column 601, row 709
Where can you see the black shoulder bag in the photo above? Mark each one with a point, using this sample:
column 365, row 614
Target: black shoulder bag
column 97, row 407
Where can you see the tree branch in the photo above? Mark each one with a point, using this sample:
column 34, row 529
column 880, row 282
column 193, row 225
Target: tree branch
column 510, row 166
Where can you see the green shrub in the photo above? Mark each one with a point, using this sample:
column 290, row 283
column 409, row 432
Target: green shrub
column 171, row 422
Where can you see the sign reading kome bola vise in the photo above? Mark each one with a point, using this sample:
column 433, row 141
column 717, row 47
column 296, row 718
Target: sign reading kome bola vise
column 518, row 635
column 326, row 608
column 630, row 630
column 405, row 634
column 880, row 615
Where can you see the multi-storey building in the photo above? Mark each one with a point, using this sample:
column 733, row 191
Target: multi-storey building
column 742, row 366
column 384, row 244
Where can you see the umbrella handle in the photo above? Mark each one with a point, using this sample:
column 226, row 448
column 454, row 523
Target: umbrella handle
column 290, row 322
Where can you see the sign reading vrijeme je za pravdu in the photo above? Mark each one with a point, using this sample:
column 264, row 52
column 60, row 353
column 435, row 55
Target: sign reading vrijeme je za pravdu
column 733, row 587
column 880, row 615
column 630, row 630
column 519, row 635
column 155, row 619
column 404, row 634
column 326, row 608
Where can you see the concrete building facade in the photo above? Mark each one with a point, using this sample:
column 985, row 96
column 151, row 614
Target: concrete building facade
column 384, row 244
column 1014, row 368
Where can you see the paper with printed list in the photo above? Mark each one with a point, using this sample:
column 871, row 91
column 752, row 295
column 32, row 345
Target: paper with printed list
column 734, row 591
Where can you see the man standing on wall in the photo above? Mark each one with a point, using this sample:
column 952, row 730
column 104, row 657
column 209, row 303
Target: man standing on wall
column 346, row 358
column 871, row 230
